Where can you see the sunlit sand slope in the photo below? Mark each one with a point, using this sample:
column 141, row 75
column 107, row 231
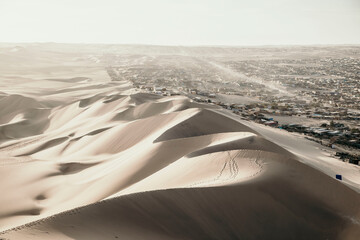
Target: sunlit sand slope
column 82, row 158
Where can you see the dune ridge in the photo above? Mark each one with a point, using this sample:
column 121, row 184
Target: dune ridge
column 124, row 164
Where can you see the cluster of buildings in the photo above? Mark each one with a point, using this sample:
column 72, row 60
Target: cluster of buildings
column 334, row 135
column 321, row 89
column 327, row 82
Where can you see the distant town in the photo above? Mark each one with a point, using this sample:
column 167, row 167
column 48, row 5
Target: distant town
column 313, row 91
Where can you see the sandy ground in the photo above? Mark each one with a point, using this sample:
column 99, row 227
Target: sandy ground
column 236, row 99
column 85, row 158
column 297, row 120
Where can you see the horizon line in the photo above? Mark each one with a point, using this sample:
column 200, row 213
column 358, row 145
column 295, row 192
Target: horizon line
column 188, row 45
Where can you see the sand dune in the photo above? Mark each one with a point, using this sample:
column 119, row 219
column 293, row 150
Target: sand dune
column 133, row 149
column 99, row 160
column 275, row 203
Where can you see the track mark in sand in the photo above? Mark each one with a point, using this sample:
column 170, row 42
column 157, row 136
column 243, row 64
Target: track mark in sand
column 230, row 169
column 257, row 164
column 221, row 171
column 234, row 168
column 230, row 164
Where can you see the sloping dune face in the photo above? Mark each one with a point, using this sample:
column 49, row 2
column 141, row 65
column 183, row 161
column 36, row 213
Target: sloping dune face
column 165, row 168
column 88, row 159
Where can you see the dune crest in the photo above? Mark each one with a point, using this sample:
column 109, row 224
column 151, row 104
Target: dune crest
column 135, row 165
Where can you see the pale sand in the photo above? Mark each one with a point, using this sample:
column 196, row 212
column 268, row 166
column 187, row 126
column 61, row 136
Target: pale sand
column 85, row 158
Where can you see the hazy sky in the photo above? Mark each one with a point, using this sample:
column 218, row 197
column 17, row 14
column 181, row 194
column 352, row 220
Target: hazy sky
column 181, row 22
